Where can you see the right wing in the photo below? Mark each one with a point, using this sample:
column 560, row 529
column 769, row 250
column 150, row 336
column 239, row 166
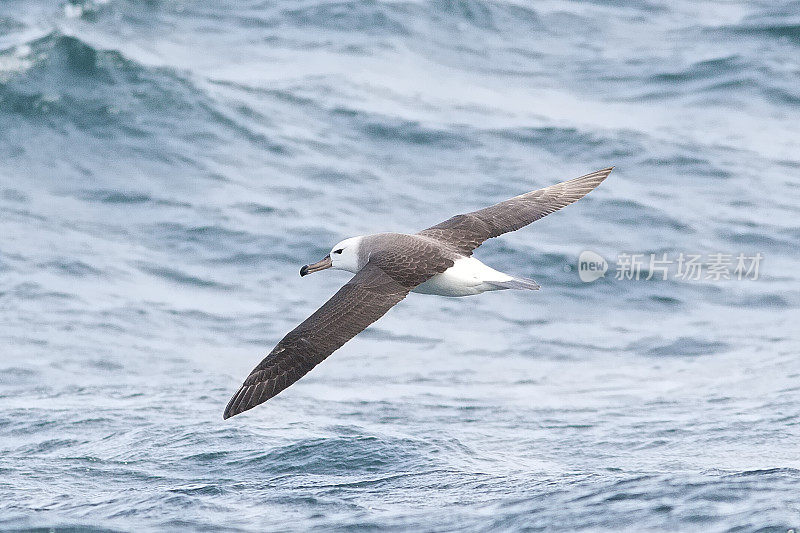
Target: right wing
column 467, row 232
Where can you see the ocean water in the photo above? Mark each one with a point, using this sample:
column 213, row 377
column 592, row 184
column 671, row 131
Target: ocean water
column 167, row 167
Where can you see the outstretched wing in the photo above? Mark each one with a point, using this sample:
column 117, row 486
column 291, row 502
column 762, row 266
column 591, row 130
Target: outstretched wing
column 359, row 303
column 467, row 232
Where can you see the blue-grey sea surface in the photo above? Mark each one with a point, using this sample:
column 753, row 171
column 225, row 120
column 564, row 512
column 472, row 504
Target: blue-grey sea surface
column 167, row 166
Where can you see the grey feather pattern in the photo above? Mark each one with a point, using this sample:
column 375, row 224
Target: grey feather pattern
column 359, row 303
column 386, row 279
column 468, row 231
column 396, row 264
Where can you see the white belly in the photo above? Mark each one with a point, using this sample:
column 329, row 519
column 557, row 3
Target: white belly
column 466, row 277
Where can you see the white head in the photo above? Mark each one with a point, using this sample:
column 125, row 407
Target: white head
column 343, row 256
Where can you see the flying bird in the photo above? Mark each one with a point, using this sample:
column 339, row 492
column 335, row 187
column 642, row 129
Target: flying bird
column 388, row 266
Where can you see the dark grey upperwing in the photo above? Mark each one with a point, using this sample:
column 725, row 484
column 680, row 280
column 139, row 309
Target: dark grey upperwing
column 385, row 280
column 467, row 232
column 359, row 303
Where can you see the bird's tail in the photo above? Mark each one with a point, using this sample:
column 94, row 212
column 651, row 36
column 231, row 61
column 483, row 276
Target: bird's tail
column 516, row 283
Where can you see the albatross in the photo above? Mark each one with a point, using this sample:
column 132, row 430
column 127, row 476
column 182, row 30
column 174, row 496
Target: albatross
column 387, row 267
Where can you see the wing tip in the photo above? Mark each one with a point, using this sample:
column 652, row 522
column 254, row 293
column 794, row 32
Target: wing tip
column 234, row 406
column 598, row 173
column 593, row 179
column 228, row 412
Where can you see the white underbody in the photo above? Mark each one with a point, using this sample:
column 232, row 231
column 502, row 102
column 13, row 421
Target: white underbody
column 466, row 277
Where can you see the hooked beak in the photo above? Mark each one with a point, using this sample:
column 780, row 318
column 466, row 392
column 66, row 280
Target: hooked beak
column 319, row 265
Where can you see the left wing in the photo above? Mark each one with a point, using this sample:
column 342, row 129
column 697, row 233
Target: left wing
column 359, row 303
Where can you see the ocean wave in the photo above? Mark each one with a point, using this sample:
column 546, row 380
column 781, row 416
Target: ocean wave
column 404, row 18
column 104, row 93
column 363, row 18
column 787, row 32
column 349, row 456
column 167, row 166
column 181, row 277
column 683, row 346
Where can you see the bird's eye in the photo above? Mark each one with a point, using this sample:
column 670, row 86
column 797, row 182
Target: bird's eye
column 340, row 250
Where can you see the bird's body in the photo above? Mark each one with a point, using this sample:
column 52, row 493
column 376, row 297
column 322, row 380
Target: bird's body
column 388, row 266
column 467, row 277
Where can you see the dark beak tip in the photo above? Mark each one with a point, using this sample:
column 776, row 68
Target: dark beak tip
column 303, row 270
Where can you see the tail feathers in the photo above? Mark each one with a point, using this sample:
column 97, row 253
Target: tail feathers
column 516, row 283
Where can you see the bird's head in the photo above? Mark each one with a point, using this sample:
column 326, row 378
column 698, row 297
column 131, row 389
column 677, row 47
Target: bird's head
column 343, row 256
